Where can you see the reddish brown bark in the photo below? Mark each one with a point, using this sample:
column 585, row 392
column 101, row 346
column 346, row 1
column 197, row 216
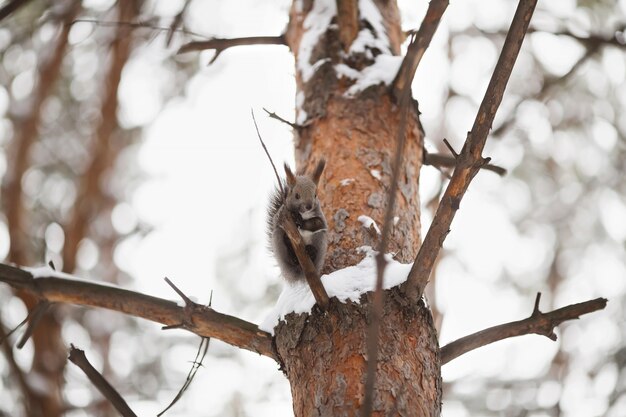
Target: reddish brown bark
column 49, row 356
column 21, row 144
column 91, row 195
column 348, row 21
column 324, row 356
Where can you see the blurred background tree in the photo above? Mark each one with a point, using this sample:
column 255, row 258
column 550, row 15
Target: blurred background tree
column 117, row 152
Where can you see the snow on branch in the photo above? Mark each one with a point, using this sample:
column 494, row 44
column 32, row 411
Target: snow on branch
column 56, row 287
column 538, row 323
column 470, row 159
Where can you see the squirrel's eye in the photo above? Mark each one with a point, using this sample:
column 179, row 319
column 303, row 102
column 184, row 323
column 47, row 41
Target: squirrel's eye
column 297, row 196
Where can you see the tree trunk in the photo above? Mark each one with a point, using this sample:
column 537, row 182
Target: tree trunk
column 50, row 353
column 91, row 195
column 324, row 355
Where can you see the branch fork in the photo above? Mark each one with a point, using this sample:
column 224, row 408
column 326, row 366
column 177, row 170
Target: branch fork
column 469, row 161
column 190, row 309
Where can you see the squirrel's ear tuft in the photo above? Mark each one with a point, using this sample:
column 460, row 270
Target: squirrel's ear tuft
column 291, row 179
column 317, row 173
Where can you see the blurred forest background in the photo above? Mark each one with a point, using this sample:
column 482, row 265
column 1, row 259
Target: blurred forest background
column 123, row 161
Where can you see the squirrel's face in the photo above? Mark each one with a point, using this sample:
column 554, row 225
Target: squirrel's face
column 302, row 197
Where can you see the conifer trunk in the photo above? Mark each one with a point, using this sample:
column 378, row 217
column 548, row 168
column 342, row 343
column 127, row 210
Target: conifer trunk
column 324, row 355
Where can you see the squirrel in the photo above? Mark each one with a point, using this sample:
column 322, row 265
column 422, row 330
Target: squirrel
column 298, row 199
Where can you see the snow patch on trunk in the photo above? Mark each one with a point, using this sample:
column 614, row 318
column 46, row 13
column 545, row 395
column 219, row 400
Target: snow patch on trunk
column 366, row 40
column 382, row 71
column 345, row 284
column 315, row 25
column 368, row 222
column 301, row 114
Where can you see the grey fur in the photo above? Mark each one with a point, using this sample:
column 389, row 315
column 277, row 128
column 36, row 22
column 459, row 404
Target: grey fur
column 299, row 201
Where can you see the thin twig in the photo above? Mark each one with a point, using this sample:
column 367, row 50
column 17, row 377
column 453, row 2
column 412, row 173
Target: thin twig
column 290, row 228
column 205, row 322
column 178, row 19
column 197, row 363
column 548, row 86
column 221, row 44
column 376, row 309
column 38, row 312
column 78, row 358
column 470, row 159
column 538, row 323
column 451, row 149
column 5, row 336
column 438, row 160
column 273, row 115
column 418, row 46
column 280, row 183
column 17, row 372
column 144, row 25
column 191, row 308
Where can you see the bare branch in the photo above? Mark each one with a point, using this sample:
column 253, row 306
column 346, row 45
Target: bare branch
column 593, row 44
column 538, row 323
column 418, row 46
column 206, row 322
column 593, row 40
column 78, row 358
column 280, row 183
column 196, row 364
column 10, row 7
column 348, row 21
column 470, row 159
column 548, row 86
column 178, row 20
column 311, row 274
column 438, row 160
column 137, row 25
column 273, row 115
column 376, row 310
column 220, row 44
column 35, row 317
column 29, row 399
